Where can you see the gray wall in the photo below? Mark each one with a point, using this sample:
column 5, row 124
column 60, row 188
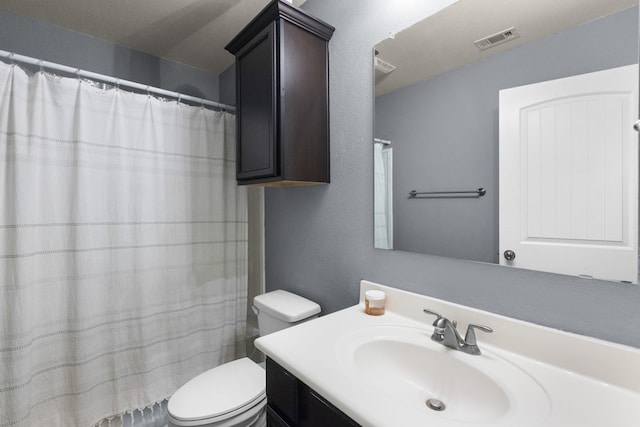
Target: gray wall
column 26, row 36
column 319, row 240
column 228, row 86
column 445, row 133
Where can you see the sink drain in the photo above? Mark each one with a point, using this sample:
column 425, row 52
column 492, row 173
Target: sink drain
column 436, row 404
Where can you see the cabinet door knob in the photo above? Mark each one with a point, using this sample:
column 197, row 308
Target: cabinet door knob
column 509, row 255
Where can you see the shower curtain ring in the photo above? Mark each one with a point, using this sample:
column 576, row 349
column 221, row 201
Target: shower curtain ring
column 11, row 58
column 117, row 84
column 40, row 64
column 148, row 89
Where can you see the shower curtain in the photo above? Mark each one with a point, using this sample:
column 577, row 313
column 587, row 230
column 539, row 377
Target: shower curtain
column 122, row 249
column 382, row 197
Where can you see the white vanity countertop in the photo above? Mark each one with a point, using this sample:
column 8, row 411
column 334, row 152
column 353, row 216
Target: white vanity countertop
column 586, row 382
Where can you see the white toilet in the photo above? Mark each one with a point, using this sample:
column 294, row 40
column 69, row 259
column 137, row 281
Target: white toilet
column 234, row 394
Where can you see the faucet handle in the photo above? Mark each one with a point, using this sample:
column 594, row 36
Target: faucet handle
column 470, row 336
column 427, row 311
column 440, row 323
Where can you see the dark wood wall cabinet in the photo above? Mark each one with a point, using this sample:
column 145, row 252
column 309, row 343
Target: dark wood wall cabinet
column 291, row 403
column 282, row 97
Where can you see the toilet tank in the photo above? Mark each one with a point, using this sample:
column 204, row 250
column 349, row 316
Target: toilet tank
column 281, row 309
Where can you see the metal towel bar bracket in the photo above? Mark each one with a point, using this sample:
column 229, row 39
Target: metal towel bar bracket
column 413, row 194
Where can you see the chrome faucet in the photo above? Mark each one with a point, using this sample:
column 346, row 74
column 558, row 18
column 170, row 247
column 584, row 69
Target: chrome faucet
column 445, row 333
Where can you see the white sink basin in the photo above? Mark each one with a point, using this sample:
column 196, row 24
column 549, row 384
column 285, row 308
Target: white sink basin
column 420, row 375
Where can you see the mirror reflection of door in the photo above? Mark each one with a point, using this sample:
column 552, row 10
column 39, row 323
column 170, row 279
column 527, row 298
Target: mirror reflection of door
column 569, row 175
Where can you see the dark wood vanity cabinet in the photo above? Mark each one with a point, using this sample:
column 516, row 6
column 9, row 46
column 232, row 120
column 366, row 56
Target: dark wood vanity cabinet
column 291, row 403
column 282, row 83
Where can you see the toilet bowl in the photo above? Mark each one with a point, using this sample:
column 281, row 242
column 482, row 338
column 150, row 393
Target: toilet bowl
column 234, row 394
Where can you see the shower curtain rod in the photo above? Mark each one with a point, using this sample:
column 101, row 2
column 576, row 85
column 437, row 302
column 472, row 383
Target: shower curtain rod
column 112, row 80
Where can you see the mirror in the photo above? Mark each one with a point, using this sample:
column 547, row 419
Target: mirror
column 437, row 88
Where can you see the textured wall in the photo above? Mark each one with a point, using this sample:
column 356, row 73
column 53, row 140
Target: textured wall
column 40, row 40
column 319, row 240
column 445, row 133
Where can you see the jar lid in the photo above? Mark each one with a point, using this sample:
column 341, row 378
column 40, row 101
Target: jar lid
column 374, row 295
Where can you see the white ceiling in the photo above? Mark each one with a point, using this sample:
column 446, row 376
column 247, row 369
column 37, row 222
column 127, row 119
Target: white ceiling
column 445, row 40
column 192, row 32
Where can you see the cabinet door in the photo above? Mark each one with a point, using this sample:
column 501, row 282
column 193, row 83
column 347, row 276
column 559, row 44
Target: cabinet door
column 292, row 403
column 256, row 86
column 274, row 420
column 315, row 411
column 282, row 393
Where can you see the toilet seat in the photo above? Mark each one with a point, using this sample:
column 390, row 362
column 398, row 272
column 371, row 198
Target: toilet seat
column 219, row 393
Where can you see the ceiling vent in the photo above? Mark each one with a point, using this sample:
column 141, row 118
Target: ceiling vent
column 497, row 38
column 383, row 66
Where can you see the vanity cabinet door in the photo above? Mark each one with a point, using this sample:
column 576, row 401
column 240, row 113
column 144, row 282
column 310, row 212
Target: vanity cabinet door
column 291, row 403
column 282, row 394
column 315, row 411
column 274, row 420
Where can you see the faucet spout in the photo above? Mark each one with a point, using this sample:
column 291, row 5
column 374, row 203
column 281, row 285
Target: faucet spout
column 451, row 338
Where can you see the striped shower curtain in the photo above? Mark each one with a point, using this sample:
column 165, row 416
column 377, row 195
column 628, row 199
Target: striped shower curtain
column 122, row 249
column 382, row 197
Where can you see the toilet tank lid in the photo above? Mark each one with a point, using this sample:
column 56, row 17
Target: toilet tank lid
column 286, row 306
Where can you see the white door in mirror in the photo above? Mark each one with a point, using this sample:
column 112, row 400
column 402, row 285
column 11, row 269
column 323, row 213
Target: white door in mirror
column 569, row 175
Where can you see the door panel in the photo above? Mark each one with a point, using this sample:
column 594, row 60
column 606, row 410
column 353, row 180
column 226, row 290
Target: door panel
column 569, row 175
